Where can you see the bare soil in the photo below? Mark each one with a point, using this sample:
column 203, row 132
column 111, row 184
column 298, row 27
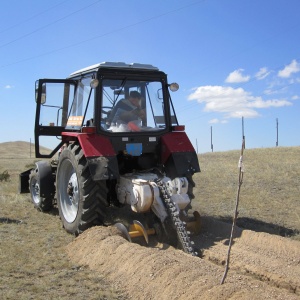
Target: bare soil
column 262, row 266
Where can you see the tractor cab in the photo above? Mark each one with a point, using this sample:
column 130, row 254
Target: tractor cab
column 98, row 100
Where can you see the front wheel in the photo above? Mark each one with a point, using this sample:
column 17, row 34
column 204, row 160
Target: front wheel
column 81, row 201
column 39, row 202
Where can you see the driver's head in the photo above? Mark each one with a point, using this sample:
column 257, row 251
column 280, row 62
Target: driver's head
column 135, row 98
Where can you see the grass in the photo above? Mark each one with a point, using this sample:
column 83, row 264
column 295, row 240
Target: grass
column 33, row 261
column 32, row 250
column 269, row 194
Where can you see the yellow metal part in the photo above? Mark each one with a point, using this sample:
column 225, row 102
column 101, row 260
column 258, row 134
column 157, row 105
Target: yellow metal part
column 195, row 225
column 137, row 229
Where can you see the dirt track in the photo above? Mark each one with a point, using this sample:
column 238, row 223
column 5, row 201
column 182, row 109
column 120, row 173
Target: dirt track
column 262, row 266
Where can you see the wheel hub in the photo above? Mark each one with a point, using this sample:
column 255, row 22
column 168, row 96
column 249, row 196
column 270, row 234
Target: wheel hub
column 36, row 188
column 68, row 191
column 72, row 190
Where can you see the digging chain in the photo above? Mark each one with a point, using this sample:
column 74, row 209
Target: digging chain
column 179, row 225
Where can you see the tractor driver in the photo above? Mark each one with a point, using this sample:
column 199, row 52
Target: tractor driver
column 127, row 110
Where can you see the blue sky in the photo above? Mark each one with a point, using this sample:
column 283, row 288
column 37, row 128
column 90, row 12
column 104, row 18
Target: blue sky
column 232, row 59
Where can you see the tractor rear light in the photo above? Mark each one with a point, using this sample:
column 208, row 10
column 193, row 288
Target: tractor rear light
column 174, row 87
column 91, row 129
column 178, row 128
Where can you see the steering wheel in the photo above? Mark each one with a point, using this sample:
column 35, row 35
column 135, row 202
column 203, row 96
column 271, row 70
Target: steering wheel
column 106, row 110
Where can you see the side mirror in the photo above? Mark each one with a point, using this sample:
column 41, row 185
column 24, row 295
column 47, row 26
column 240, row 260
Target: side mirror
column 43, row 93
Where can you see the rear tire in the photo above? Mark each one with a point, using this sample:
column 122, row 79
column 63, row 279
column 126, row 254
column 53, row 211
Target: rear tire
column 81, row 201
column 41, row 203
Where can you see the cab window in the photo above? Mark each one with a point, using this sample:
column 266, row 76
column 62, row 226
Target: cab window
column 130, row 105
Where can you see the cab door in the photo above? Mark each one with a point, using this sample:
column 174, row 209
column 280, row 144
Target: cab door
column 53, row 101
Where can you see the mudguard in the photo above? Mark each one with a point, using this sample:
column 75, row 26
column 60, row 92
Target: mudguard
column 46, row 179
column 99, row 152
column 24, row 182
column 178, row 155
column 182, row 164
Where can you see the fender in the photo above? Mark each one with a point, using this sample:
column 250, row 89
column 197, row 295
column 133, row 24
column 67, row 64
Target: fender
column 46, row 179
column 24, row 182
column 178, row 155
column 93, row 145
column 99, row 152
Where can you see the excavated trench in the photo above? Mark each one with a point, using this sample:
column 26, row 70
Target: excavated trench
column 262, row 266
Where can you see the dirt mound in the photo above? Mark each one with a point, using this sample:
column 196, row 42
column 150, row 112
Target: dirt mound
column 262, row 266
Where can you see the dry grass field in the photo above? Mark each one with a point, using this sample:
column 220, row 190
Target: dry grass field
column 33, row 257
column 270, row 193
column 33, row 261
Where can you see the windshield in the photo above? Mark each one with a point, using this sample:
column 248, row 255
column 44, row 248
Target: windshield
column 132, row 105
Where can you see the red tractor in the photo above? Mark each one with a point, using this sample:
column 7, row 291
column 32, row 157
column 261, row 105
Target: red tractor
column 122, row 158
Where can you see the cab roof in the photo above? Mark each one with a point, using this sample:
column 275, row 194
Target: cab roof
column 118, row 65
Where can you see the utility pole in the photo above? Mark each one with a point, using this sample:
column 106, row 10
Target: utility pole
column 243, row 134
column 211, row 143
column 276, row 132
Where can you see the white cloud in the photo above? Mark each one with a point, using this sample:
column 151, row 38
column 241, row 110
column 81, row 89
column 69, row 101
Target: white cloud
column 215, row 121
column 276, row 86
column 237, row 77
column 269, row 92
column 8, row 86
column 232, row 102
column 262, row 73
column 259, row 103
column 287, row 71
column 295, row 97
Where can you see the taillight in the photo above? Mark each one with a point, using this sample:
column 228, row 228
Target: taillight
column 178, row 128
